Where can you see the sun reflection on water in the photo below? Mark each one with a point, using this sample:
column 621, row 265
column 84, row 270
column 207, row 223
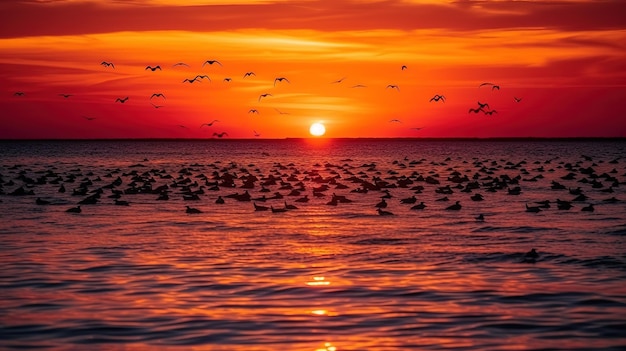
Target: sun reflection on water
column 318, row 281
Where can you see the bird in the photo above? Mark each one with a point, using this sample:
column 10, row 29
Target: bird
column 480, row 218
column 281, row 112
column 219, row 200
column 107, row 64
column 192, row 210
column 476, row 110
column 180, row 64
column 383, row 212
column 259, row 207
column 220, row 135
column 253, row 110
column 531, row 256
column 358, row 86
column 455, row 207
column 153, row 68
column 256, row 134
column 437, row 98
column 533, row 209
column 392, row 86
column 182, row 126
column 227, row 79
column 248, row 74
column 209, row 124
column 65, row 95
column 491, row 112
column 120, row 100
column 417, row 128
column 41, row 201
column 403, row 67
column 419, row 206
column 202, row 76
column 157, row 95
column 156, row 106
column 516, row 99
column 482, row 106
column 381, row 204
column 588, row 208
column 190, row 81
column 395, row 121
column 74, row 210
column 210, row 62
column 18, row 93
column 264, row 95
column 280, row 79
column 338, row 80
column 493, row 86
column 89, row 118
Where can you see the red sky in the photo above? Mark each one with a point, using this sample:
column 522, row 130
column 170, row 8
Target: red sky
column 565, row 60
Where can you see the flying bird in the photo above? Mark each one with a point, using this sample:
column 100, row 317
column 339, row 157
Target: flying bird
column 493, row 86
column 190, row 81
column 65, row 95
column 476, row 110
column 256, row 134
column 338, row 81
column 107, row 64
column 18, row 93
column 121, row 100
column 156, row 106
column 403, row 67
column 209, row 124
column 182, row 126
column 89, row 118
column 393, row 87
column 482, row 106
column 437, row 98
column 280, row 112
column 227, row 79
column 417, row 128
column 491, row 112
column 210, row 62
column 253, row 111
column 280, row 79
column 249, row 74
column 220, row 135
column 395, row 120
column 157, row 95
column 153, row 68
column 358, row 86
column 264, row 95
column 180, row 64
column 202, row 76
column 517, row 99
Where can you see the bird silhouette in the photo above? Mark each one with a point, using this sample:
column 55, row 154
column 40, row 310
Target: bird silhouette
column 18, row 93
column 417, row 128
column 392, row 86
column 156, row 106
column 107, row 64
column 248, row 74
column 516, row 99
column 227, row 79
column 338, row 81
column 482, row 106
column 220, row 135
column 210, row 62
column 65, row 95
column 280, row 79
column 180, row 64
column 476, row 110
column 89, row 118
column 264, row 95
column 190, row 81
column 358, row 86
column 120, row 100
column 256, row 134
column 253, row 110
column 491, row 112
column 438, row 97
column 157, row 95
column 281, row 112
column 395, row 121
column 403, row 67
column 153, row 68
column 202, row 76
column 209, row 124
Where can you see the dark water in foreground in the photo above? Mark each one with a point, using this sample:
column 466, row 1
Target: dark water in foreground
column 149, row 276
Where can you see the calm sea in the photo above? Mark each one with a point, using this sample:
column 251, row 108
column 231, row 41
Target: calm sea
column 326, row 275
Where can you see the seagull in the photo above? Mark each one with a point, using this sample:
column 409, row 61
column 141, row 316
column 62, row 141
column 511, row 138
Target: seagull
column 264, row 95
column 209, row 124
column 517, row 99
column 358, row 86
column 182, row 126
column 152, row 68
column 249, row 74
column 18, row 93
column 156, row 106
column 395, row 120
column 89, row 118
column 482, row 106
column 476, row 110
column 201, row 76
column 220, row 135
column 403, row 67
column 486, row 83
column 121, row 100
column 256, row 134
column 210, row 62
column 180, row 64
column 191, row 81
column 157, row 95
column 280, row 79
column 392, row 86
column 227, row 79
column 66, row 95
column 338, row 81
column 437, row 98
column 107, row 64
column 490, row 112
column 253, row 110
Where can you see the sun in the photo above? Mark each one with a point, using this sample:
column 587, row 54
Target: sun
column 317, row 129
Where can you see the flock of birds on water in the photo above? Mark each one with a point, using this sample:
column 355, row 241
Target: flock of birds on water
column 285, row 188
column 160, row 98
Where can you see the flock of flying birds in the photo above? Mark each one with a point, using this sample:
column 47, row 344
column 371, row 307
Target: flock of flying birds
column 158, row 97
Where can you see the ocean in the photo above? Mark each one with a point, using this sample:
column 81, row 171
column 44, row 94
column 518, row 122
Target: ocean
column 319, row 245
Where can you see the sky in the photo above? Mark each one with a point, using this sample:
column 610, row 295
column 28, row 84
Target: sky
column 362, row 68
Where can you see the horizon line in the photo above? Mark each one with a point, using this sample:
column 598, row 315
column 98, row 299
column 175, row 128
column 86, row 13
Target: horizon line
column 333, row 138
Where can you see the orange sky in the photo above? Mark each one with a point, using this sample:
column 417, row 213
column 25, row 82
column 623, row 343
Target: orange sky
column 565, row 59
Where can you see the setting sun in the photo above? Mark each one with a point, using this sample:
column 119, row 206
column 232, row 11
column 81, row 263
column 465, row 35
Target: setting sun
column 317, row 129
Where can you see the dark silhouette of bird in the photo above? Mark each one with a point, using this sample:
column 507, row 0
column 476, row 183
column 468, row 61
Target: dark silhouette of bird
column 403, row 67
column 281, row 112
column 220, row 135
column 182, row 126
column 417, row 128
column 516, row 99
column 18, row 93
column 66, row 95
column 491, row 112
column 202, row 76
column 209, row 124
column 120, row 100
column 395, row 121
column 476, row 110
column 338, row 80
column 253, row 110
column 493, row 86
column 107, row 64
column 358, row 86
column 210, row 62
column 89, row 118
column 227, row 79
column 280, row 79
column 437, row 98
column 157, row 95
column 256, row 134
column 190, row 81
column 192, row 210
column 482, row 106
column 153, row 68
column 264, row 95
column 156, row 106
column 180, row 64
column 248, row 74
column 457, row 206
column 74, row 210
column 392, row 86
column 480, row 218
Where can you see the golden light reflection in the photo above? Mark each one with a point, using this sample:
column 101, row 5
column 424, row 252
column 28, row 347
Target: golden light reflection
column 328, row 347
column 318, row 281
